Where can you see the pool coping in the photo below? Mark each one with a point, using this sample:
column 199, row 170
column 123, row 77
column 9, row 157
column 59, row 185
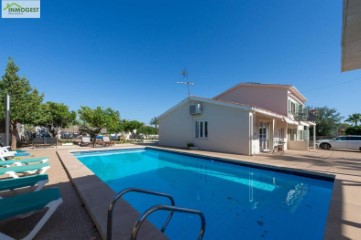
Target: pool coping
column 97, row 201
column 296, row 171
column 287, row 170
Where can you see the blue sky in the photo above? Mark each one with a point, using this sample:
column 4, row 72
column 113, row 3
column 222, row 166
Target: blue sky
column 128, row 55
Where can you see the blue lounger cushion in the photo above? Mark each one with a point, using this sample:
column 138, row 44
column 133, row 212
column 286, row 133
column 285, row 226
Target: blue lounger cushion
column 25, row 169
column 24, row 161
column 19, row 169
column 27, row 181
column 25, row 203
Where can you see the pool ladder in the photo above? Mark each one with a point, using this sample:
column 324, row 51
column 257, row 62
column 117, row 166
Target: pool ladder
column 171, row 209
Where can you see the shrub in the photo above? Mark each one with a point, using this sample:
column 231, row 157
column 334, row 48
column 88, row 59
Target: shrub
column 355, row 130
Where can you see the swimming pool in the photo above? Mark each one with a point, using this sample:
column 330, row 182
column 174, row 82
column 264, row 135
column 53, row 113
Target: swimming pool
column 239, row 202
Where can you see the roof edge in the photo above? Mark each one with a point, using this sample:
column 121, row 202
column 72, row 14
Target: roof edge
column 233, row 105
column 285, row 86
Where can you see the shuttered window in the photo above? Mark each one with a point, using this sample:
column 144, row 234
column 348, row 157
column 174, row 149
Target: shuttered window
column 201, row 129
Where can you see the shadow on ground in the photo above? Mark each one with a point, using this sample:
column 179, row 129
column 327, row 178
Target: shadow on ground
column 66, row 223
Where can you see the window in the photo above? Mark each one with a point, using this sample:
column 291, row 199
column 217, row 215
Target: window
column 205, row 129
column 201, row 129
column 294, row 107
column 292, row 134
column 341, row 138
column 197, row 129
column 281, row 132
column 304, row 135
column 355, row 138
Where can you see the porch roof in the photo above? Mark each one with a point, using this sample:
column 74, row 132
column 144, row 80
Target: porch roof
column 290, row 121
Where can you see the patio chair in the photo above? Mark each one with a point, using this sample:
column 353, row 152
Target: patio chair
column 29, row 203
column 106, row 141
column 279, row 147
column 40, row 168
column 5, row 152
column 37, row 142
column 7, row 149
column 85, row 141
column 24, row 161
column 35, row 182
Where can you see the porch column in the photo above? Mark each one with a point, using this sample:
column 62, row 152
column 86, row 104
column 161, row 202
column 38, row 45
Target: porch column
column 251, row 124
column 286, row 135
column 273, row 131
column 314, row 137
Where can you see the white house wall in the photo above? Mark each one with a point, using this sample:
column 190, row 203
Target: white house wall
column 175, row 128
column 228, row 128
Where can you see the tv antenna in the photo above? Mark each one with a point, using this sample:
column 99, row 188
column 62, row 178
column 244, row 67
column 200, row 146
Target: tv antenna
column 185, row 74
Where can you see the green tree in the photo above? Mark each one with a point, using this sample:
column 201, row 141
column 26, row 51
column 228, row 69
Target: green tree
column 73, row 120
column 25, row 101
column 327, row 120
column 56, row 116
column 354, row 118
column 341, row 129
column 147, row 130
column 131, row 125
column 354, row 130
column 154, row 122
column 94, row 120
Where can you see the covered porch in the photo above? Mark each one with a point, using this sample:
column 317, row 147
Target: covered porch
column 271, row 130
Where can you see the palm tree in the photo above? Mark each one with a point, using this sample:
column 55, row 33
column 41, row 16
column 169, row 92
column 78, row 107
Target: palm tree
column 154, row 121
column 354, row 118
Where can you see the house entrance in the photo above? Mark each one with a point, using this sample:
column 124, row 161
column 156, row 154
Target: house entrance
column 263, row 136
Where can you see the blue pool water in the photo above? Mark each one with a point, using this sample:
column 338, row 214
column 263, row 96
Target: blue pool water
column 239, row 202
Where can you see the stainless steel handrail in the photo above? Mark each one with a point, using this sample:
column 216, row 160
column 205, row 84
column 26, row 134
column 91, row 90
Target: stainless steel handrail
column 171, row 209
column 120, row 194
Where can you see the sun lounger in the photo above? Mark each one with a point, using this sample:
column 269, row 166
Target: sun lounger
column 107, row 141
column 36, row 182
column 85, row 141
column 28, row 203
column 24, row 161
column 5, row 152
column 40, row 168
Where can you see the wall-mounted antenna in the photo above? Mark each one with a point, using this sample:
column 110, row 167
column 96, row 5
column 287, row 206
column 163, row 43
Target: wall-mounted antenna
column 185, row 74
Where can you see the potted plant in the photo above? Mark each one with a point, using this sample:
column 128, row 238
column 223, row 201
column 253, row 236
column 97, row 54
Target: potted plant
column 191, row 146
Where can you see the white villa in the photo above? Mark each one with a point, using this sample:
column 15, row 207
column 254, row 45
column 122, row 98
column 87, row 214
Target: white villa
column 245, row 119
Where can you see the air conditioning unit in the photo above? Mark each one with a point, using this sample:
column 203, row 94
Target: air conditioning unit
column 195, row 109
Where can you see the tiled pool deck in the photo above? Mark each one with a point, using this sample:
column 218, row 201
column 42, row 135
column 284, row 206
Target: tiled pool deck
column 72, row 221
